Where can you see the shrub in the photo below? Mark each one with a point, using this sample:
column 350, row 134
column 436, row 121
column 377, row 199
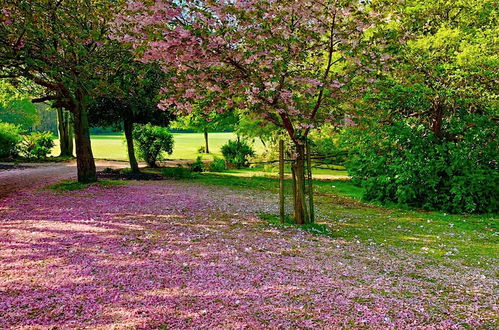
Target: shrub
column 217, row 165
column 152, row 142
column 198, row 165
column 236, row 153
column 9, row 140
column 178, row 172
column 405, row 163
column 37, row 145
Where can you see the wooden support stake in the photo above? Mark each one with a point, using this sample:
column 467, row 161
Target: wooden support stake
column 310, row 184
column 281, row 181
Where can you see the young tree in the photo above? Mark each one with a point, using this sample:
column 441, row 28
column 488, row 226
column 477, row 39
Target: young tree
column 205, row 122
column 287, row 62
column 64, row 47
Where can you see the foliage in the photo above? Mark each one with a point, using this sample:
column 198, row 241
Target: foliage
column 326, row 147
column 407, row 164
column 217, row 165
column 16, row 107
column 178, row 172
column 152, row 142
column 236, row 153
column 37, row 145
column 134, row 98
column 10, row 137
column 198, row 166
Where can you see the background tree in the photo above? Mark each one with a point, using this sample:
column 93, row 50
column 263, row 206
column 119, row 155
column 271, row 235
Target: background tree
column 205, row 122
column 288, row 62
column 64, row 47
column 135, row 101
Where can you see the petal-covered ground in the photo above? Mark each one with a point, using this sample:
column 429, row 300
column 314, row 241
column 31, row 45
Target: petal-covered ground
column 184, row 255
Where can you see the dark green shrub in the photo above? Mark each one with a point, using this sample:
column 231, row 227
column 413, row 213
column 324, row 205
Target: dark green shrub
column 198, row 165
column 152, row 142
column 9, row 140
column 217, row 165
column 405, row 163
column 178, row 172
column 37, row 145
column 236, row 153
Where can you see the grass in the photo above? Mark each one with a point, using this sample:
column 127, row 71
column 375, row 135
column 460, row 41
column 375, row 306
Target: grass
column 472, row 239
column 113, row 147
column 72, row 185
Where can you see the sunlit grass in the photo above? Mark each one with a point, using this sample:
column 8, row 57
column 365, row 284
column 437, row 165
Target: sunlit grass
column 113, row 147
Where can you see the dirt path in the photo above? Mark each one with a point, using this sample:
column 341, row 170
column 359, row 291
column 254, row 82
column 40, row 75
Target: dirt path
column 29, row 176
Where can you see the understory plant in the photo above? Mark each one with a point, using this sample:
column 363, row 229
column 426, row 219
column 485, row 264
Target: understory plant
column 236, row 153
column 9, row 140
column 37, row 145
column 152, row 142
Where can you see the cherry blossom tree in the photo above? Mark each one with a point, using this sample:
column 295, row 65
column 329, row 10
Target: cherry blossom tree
column 288, row 62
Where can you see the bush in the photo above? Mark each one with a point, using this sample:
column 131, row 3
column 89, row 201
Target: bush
column 198, row 165
column 405, row 163
column 37, row 145
column 152, row 142
column 9, row 140
column 236, row 153
column 178, row 172
column 217, row 165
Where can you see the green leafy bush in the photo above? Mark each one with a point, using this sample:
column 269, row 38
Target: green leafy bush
column 178, row 172
column 217, row 165
column 198, row 165
column 236, row 153
column 152, row 142
column 405, row 163
column 37, row 145
column 9, row 140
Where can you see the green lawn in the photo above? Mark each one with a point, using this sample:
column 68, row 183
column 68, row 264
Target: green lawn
column 113, row 147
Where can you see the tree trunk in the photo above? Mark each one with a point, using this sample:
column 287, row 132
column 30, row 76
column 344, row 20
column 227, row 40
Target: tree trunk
column 65, row 133
column 436, row 123
column 84, row 157
column 300, row 204
column 207, row 148
column 128, row 125
column 281, row 181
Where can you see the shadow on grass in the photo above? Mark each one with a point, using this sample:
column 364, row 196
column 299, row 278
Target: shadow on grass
column 72, row 185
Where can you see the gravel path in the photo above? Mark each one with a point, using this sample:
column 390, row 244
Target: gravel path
column 28, row 176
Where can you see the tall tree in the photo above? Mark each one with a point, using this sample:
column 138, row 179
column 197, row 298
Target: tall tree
column 135, row 101
column 64, row 47
column 288, row 62
column 445, row 61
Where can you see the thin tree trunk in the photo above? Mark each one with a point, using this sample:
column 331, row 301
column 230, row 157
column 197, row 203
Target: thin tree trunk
column 84, row 157
column 207, row 147
column 128, row 126
column 281, row 180
column 65, row 136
